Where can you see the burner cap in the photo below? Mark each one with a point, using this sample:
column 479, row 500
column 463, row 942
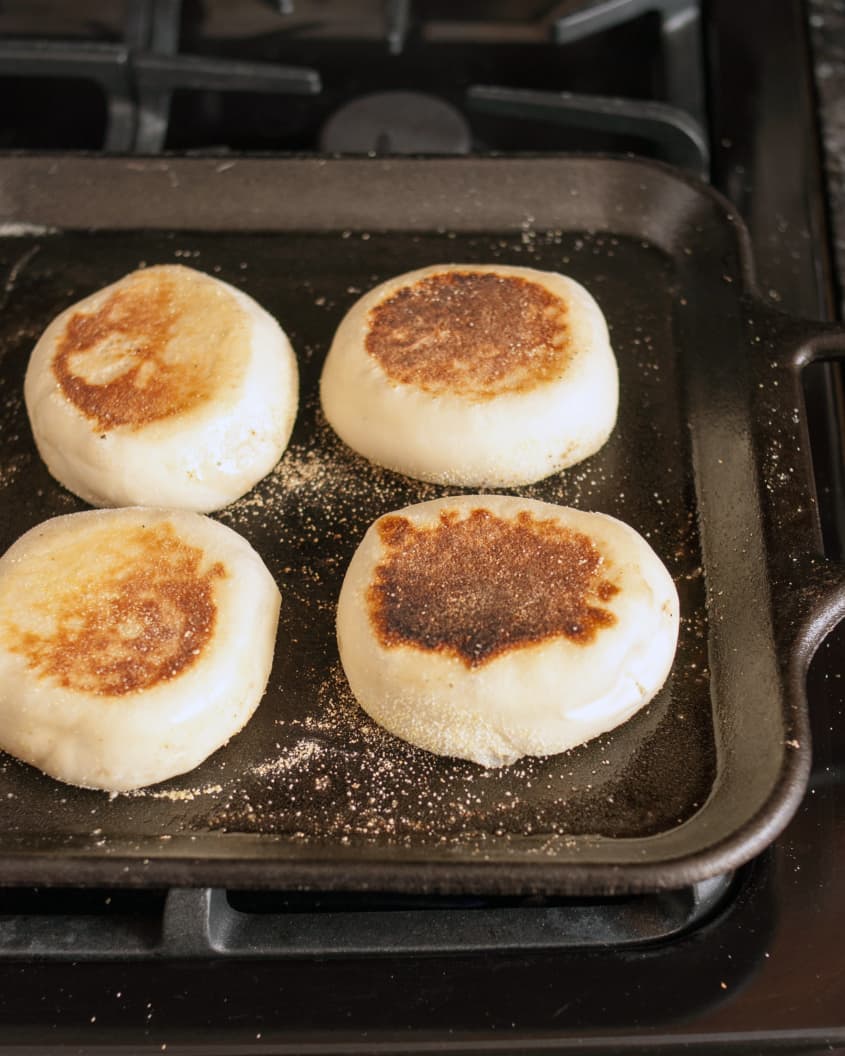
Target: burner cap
column 396, row 123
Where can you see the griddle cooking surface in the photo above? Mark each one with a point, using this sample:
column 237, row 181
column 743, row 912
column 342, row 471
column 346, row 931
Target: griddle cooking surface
column 311, row 764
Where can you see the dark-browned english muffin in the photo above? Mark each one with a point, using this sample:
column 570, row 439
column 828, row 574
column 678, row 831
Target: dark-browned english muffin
column 489, row 627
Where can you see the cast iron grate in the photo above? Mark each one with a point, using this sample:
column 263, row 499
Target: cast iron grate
column 138, row 76
column 163, row 87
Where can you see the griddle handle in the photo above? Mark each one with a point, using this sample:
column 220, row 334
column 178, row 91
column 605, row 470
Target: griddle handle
column 806, row 563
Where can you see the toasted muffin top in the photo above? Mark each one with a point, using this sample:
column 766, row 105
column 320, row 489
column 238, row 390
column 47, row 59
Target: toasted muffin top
column 478, row 586
column 477, row 334
column 111, row 610
column 158, row 343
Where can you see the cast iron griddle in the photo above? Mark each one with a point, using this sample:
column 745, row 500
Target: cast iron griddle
column 707, row 461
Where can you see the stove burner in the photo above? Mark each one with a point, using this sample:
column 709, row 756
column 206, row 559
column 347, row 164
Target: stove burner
column 396, row 123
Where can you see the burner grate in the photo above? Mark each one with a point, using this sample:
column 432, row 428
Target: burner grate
column 138, row 76
column 680, row 139
column 619, row 76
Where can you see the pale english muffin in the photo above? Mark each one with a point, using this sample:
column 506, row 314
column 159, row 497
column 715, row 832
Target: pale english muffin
column 469, row 374
column 133, row 643
column 168, row 388
column 492, row 627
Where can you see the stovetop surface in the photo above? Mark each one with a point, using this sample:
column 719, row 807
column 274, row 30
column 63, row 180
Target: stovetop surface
column 763, row 968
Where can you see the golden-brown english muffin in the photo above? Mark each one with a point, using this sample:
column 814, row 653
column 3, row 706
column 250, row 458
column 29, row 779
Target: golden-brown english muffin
column 489, row 627
column 168, row 388
column 475, row 375
column 133, row 643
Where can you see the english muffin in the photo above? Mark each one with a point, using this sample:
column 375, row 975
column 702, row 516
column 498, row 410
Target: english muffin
column 167, row 388
column 133, row 643
column 473, row 375
column 492, row 627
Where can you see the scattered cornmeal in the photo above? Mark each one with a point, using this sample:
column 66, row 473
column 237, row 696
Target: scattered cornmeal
column 492, row 627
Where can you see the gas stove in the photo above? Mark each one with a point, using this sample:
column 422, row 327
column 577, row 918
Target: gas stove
column 740, row 962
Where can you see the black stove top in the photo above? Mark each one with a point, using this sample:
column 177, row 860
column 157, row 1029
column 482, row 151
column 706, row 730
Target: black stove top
column 742, row 963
